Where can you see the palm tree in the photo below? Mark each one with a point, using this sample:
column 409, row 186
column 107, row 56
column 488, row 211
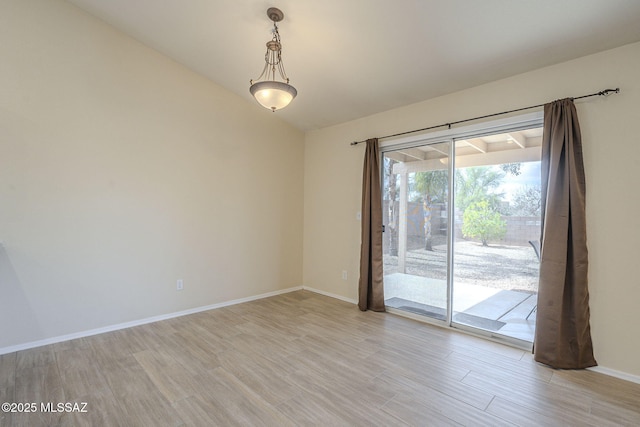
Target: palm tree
column 476, row 184
column 392, row 219
column 433, row 186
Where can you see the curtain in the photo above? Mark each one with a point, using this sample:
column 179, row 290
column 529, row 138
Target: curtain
column 563, row 336
column 370, row 286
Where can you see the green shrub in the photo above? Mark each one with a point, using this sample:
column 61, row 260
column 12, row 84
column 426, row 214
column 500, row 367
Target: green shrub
column 481, row 221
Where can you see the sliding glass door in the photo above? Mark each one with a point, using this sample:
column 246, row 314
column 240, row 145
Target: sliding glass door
column 461, row 237
column 415, row 246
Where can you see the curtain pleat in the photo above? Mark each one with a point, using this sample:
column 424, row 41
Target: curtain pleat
column 370, row 286
column 563, row 335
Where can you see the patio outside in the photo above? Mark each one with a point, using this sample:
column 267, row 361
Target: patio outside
column 495, row 287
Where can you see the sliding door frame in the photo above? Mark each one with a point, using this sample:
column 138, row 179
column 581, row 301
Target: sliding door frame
column 450, row 136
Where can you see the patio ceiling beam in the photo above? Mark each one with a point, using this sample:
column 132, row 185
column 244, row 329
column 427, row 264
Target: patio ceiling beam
column 414, row 153
column 478, row 144
column 520, row 140
column 398, row 157
column 440, row 148
column 420, row 166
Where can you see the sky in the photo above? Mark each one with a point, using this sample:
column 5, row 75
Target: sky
column 530, row 176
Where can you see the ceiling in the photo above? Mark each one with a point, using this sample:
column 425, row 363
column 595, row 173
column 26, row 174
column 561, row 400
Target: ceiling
column 353, row 58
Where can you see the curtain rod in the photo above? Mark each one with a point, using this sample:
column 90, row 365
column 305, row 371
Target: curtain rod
column 605, row 92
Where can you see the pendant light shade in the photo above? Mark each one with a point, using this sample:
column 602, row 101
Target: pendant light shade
column 269, row 92
column 273, row 95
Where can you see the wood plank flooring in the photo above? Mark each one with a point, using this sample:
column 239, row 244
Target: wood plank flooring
column 303, row 359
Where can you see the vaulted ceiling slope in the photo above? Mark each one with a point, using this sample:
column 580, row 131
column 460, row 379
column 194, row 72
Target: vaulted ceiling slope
column 353, row 58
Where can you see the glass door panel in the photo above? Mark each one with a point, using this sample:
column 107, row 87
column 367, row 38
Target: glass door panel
column 415, row 216
column 496, row 233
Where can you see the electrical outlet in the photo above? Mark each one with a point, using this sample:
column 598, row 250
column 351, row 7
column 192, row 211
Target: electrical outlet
column 179, row 285
column 344, row 274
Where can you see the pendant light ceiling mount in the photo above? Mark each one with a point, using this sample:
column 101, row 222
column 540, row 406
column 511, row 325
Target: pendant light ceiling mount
column 268, row 91
column 275, row 14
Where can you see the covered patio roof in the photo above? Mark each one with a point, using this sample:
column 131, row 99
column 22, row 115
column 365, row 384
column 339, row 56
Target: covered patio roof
column 510, row 147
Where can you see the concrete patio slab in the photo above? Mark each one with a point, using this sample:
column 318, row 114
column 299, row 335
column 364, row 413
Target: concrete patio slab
column 497, row 305
column 507, row 312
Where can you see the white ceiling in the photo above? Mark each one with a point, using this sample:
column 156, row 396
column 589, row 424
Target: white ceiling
column 352, row 58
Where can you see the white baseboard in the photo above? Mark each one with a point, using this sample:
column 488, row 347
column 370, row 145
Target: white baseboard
column 144, row 321
column 329, row 294
column 617, row 374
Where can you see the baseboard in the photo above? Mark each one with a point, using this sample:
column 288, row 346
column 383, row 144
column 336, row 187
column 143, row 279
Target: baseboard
column 144, row 321
column 329, row 294
column 617, row 374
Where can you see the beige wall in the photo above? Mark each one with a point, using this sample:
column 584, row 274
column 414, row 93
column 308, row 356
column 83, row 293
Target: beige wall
column 611, row 149
column 121, row 172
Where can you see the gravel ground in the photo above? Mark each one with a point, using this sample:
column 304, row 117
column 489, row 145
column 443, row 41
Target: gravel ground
column 496, row 266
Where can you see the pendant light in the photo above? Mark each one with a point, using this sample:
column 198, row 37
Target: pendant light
column 268, row 91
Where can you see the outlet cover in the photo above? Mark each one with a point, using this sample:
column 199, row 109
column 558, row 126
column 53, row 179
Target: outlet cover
column 179, row 285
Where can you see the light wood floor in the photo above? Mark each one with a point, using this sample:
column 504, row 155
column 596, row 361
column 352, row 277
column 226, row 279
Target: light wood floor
column 304, row 359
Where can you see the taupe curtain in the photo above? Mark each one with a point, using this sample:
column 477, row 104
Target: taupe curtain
column 370, row 287
column 563, row 336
